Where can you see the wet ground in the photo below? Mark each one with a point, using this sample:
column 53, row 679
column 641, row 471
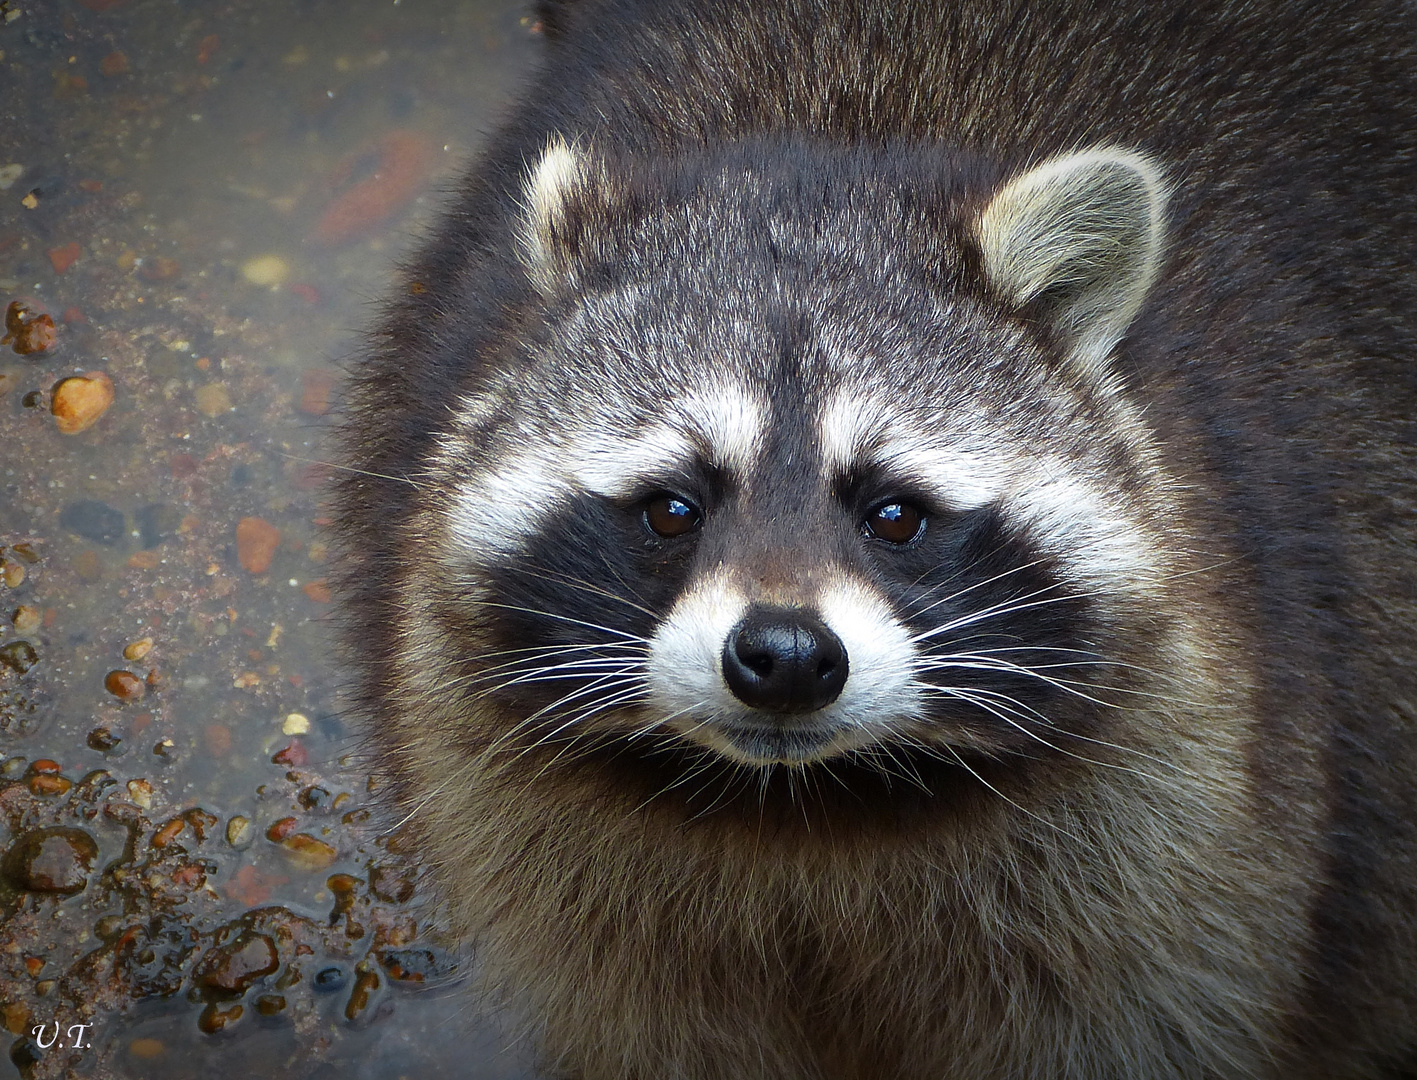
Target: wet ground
column 199, row 204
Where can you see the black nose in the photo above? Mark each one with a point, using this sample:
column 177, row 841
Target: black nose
column 784, row 660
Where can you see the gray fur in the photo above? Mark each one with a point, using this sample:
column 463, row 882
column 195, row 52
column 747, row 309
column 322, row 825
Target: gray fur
column 1124, row 296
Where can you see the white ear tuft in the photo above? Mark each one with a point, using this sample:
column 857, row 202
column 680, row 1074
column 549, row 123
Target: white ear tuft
column 1078, row 239
column 553, row 180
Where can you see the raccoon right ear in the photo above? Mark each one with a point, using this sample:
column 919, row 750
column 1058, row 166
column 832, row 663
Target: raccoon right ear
column 1077, row 242
column 559, row 180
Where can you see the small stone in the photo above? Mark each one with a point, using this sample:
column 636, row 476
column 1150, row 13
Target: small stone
column 77, row 403
column 61, row 258
column 103, row 740
column 295, row 755
column 240, row 831
column 279, row 830
column 124, row 685
column 365, row 983
column 256, row 543
column 12, row 573
column 15, row 1016
column 230, row 970
column 136, row 650
column 27, row 618
column 314, row 798
column 26, row 552
column 295, row 723
column 216, row 1018
column 50, row 785
column 168, row 833
column 213, row 399
column 218, row 740
column 201, row 821
column 270, row 1004
column 147, row 1049
column 27, row 332
column 309, row 853
column 94, row 520
column 54, row 860
column 157, row 522
column 318, row 591
column 316, row 386
column 141, row 792
column 266, row 270
column 18, row 656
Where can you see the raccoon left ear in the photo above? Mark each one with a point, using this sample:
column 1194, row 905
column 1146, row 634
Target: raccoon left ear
column 561, row 176
column 1077, row 240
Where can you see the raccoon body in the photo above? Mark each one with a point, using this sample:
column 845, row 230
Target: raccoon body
column 880, row 542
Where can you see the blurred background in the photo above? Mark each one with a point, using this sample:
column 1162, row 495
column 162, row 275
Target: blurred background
column 200, row 205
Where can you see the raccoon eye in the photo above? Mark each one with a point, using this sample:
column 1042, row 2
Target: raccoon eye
column 669, row 516
column 895, row 522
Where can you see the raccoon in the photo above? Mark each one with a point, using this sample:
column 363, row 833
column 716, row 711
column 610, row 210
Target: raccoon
column 879, row 541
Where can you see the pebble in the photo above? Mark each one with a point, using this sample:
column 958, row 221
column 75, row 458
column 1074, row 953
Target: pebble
column 366, row 981
column 18, row 656
column 94, row 520
column 77, row 403
column 295, row 723
column 316, row 386
column 26, row 332
column 395, row 172
column 146, row 1049
column 267, row 270
column 213, row 399
column 12, row 573
column 256, row 543
column 103, row 740
column 240, row 831
column 308, row 852
column 27, row 618
column 230, row 970
column 49, row 785
column 61, row 258
column 136, row 650
column 270, row 1004
column 54, row 860
column 168, row 833
column 215, row 1018
column 157, row 522
column 218, row 739
column 141, row 792
column 124, row 685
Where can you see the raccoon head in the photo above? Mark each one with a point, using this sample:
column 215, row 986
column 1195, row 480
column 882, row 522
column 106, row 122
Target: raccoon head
column 810, row 455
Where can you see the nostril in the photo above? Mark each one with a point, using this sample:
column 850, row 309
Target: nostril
column 755, row 660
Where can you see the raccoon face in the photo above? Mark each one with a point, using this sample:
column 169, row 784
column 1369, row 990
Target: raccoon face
column 813, row 463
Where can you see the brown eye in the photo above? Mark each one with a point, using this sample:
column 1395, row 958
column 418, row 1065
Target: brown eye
column 669, row 517
column 895, row 522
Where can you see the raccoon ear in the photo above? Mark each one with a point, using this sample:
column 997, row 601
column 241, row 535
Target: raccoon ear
column 561, row 175
column 1077, row 240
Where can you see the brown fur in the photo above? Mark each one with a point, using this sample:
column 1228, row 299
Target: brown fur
column 1225, row 890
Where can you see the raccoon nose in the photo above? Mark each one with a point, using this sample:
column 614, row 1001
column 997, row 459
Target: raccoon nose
column 784, row 660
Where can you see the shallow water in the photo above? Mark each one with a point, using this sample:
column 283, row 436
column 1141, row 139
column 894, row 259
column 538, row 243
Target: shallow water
column 207, row 199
